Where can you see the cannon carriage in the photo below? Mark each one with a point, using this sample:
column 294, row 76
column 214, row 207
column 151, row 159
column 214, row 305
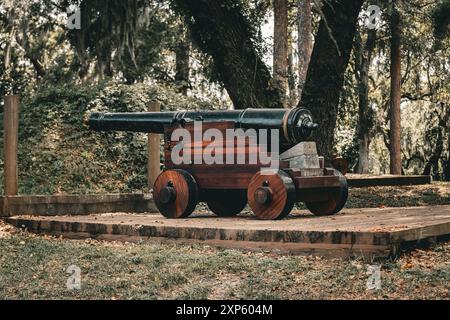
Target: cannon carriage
column 291, row 171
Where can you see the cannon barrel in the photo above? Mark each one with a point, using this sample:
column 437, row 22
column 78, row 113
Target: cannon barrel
column 296, row 125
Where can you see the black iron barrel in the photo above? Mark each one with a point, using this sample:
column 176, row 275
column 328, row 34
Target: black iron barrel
column 295, row 125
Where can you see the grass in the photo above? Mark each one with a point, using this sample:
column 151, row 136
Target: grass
column 34, row 267
column 437, row 193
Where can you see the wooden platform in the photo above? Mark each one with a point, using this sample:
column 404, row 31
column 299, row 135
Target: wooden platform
column 368, row 232
column 362, row 180
column 55, row 205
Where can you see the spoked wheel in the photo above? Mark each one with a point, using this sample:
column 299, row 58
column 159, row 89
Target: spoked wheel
column 271, row 196
column 337, row 200
column 175, row 193
column 228, row 203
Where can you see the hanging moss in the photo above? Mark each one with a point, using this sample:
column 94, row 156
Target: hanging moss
column 106, row 26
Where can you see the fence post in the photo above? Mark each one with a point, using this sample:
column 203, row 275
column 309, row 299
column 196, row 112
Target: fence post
column 153, row 164
column 11, row 133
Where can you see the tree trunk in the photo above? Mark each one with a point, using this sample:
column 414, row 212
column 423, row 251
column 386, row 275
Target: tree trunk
column 304, row 41
column 394, row 112
column 432, row 166
column 221, row 30
column 365, row 113
column 447, row 163
column 9, row 49
column 182, row 67
column 293, row 90
column 104, row 61
column 329, row 61
column 280, row 48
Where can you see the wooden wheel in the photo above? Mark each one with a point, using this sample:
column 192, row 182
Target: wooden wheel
column 175, row 193
column 228, row 203
column 337, row 200
column 271, row 196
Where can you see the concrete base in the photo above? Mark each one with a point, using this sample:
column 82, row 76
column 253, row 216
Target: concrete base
column 369, row 232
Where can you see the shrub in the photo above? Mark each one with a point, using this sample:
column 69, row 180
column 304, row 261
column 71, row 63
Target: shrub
column 59, row 154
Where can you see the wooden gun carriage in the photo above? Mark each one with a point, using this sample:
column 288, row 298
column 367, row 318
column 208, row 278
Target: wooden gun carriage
column 292, row 171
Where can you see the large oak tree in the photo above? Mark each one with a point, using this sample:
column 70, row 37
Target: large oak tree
column 329, row 60
column 221, row 29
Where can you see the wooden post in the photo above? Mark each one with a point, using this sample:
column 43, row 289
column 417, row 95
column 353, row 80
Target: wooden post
column 11, row 132
column 153, row 165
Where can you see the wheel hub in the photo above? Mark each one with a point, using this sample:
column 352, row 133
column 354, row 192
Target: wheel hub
column 167, row 195
column 263, row 195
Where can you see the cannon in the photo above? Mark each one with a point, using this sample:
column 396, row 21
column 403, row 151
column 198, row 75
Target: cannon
column 228, row 159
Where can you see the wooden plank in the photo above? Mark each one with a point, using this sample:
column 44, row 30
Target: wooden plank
column 319, row 180
column 76, row 204
column 355, row 181
column 128, row 233
column 154, row 157
column 316, row 182
column 303, row 148
column 205, row 143
column 222, row 151
column 240, row 156
column 222, row 176
column 227, row 181
column 11, row 141
column 221, row 126
column 246, row 154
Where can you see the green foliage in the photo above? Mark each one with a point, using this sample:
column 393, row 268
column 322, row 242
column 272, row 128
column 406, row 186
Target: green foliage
column 441, row 19
column 106, row 26
column 59, row 154
column 425, row 94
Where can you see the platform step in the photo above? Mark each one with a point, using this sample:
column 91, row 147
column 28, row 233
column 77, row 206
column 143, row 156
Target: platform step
column 368, row 232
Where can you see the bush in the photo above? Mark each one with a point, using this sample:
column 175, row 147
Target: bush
column 59, row 154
